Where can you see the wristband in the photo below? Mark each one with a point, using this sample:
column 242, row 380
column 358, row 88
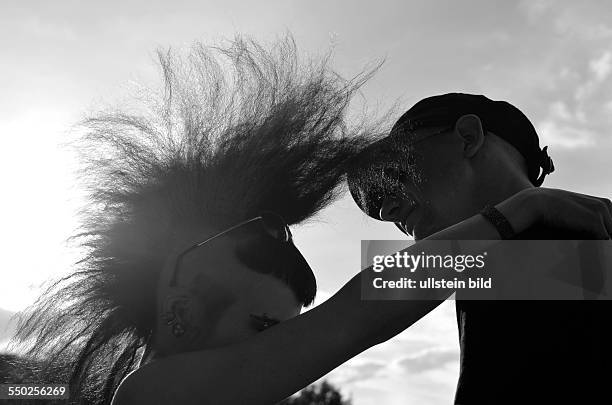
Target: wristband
column 499, row 221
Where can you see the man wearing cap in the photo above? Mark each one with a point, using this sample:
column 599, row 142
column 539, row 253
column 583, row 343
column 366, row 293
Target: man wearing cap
column 450, row 157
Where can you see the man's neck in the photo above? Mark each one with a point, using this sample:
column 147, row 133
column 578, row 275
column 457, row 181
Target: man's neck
column 501, row 189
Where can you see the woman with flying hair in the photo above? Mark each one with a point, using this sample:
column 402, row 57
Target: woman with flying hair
column 190, row 288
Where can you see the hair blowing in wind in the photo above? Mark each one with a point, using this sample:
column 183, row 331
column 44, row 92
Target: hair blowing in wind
column 231, row 131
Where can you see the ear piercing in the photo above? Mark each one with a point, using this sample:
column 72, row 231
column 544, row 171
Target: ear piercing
column 178, row 329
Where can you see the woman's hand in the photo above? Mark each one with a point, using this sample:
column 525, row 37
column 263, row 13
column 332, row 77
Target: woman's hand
column 559, row 209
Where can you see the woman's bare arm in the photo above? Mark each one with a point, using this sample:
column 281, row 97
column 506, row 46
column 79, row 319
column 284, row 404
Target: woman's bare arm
column 281, row 360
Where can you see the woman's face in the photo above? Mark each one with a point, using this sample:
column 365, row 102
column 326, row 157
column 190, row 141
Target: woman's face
column 220, row 300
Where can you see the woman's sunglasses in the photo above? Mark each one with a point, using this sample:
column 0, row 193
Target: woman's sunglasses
column 272, row 224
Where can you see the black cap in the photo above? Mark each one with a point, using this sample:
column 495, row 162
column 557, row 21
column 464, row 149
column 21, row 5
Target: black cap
column 499, row 117
column 370, row 176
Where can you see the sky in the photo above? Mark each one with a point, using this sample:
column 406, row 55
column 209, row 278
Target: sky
column 61, row 59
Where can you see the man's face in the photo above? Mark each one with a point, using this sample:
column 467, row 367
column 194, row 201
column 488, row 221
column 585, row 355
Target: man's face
column 438, row 185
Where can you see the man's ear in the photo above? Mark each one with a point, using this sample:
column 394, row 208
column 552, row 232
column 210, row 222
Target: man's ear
column 469, row 128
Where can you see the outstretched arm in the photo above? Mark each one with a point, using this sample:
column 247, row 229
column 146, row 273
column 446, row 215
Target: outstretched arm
column 281, row 360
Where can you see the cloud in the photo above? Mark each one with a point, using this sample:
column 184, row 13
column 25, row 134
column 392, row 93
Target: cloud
column 564, row 135
column 565, row 128
column 569, row 18
column 598, row 72
column 560, row 67
column 356, row 370
column 536, row 9
column 580, row 117
column 601, row 66
column 429, row 359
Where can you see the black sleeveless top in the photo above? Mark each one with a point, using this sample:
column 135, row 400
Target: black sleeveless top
column 541, row 352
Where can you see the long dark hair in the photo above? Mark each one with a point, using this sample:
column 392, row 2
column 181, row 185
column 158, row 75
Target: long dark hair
column 233, row 130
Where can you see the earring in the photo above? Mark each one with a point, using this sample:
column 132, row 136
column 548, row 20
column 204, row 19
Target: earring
column 178, row 330
column 168, row 317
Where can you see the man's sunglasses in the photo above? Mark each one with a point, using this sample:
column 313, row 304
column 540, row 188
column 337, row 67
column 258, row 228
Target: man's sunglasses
column 272, row 224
